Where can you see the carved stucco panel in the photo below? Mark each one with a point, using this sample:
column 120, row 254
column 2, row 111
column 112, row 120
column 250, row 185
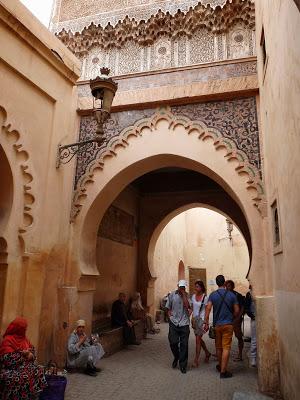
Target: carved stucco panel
column 234, row 119
column 217, row 112
column 238, row 42
column 204, row 46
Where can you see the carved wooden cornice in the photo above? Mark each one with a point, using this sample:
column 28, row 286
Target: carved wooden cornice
column 145, row 33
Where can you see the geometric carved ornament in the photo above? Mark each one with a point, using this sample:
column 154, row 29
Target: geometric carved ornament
column 191, row 127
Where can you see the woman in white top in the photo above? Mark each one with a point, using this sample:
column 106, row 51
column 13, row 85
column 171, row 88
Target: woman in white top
column 199, row 301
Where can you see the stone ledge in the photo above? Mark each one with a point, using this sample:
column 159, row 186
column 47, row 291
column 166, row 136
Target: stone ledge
column 112, row 338
column 180, row 94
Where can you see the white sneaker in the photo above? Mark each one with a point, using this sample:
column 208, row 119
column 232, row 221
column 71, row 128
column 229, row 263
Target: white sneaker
column 253, row 363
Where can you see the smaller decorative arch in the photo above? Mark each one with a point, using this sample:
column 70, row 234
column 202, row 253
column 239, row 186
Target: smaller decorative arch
column 181, row 270
column 21, row 168
column 164, row 222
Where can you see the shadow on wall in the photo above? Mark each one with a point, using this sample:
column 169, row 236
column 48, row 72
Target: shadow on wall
column 6, row 194
column 6, row 200
column 3, row 272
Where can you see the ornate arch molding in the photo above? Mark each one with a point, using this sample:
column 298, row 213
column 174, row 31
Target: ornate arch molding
column 21, row 167
column 253, row 182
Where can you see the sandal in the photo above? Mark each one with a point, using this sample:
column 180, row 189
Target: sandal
column 237, row 359
column 207, row 357
column 195, row 364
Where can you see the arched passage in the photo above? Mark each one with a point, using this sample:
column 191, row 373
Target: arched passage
column 163, row 141
column 160, row 144
column 164, row 222
column 199, row 237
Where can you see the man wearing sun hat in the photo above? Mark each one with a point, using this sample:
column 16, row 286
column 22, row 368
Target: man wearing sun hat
column 179, row 310
column 82, row 353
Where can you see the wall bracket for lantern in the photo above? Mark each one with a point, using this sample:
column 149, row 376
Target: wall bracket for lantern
column 103, row 90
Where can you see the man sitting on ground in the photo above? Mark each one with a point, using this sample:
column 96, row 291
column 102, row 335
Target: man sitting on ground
column 120, row 317
column 226, row 308
column 81, row 352
column 237, row 323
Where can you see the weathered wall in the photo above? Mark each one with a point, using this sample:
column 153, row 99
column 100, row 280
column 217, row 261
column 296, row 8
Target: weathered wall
column 37, row 112
column 116, row 261
column 208, row 246
column 279, row 81
column 199, row 238
column 169, row 251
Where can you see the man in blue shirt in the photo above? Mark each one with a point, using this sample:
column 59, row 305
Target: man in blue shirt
column 226, row 309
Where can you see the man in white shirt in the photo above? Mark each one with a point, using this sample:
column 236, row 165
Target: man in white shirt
column 179, row 309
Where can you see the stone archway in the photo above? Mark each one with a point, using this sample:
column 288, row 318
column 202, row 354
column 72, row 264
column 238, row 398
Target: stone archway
column 155, row 263
column 164, row 222
column 154, row 232
column 162, row 141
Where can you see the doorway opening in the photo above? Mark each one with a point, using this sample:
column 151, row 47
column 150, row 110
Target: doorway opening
column 128, row 237
column 200, row 239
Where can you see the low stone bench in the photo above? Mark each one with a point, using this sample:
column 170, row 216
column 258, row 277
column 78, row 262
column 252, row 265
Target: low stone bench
column 112, row 338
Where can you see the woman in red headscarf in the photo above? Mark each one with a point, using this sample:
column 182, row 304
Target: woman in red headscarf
column 20, row 377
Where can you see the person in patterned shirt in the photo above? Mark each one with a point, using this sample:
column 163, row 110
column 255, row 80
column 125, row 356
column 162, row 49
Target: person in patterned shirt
column 20, row 377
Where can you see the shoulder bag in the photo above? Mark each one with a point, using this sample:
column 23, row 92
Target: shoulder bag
column 197, row 322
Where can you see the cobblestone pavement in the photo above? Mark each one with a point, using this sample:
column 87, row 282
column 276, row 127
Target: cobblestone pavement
column 144, row 372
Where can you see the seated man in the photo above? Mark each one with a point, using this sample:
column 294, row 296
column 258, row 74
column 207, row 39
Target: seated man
column 138, row 312
column 81, row 352
column 120, row 317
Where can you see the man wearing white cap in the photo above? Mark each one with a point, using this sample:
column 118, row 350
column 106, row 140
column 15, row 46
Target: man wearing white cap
column 81, row 352
column 179, row 309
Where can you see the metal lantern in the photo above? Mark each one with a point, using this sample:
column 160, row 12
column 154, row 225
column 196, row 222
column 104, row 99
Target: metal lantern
column 103, row 90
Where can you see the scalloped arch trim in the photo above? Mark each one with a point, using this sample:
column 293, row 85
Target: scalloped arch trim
column 13, row 138
column 191, row 126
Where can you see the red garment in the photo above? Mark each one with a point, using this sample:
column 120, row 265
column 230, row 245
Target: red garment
column 14, row 338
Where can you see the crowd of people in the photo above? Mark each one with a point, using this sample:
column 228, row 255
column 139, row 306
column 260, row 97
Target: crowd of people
column 22, row 377
column 228, row 308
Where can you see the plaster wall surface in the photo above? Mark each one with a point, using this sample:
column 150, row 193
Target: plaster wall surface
column 199, row 238
column 168, row 252
column 37, row 112
column 279, row 81
column 117, row 262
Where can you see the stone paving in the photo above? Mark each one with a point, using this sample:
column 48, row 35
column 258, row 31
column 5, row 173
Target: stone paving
column 144, row 373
